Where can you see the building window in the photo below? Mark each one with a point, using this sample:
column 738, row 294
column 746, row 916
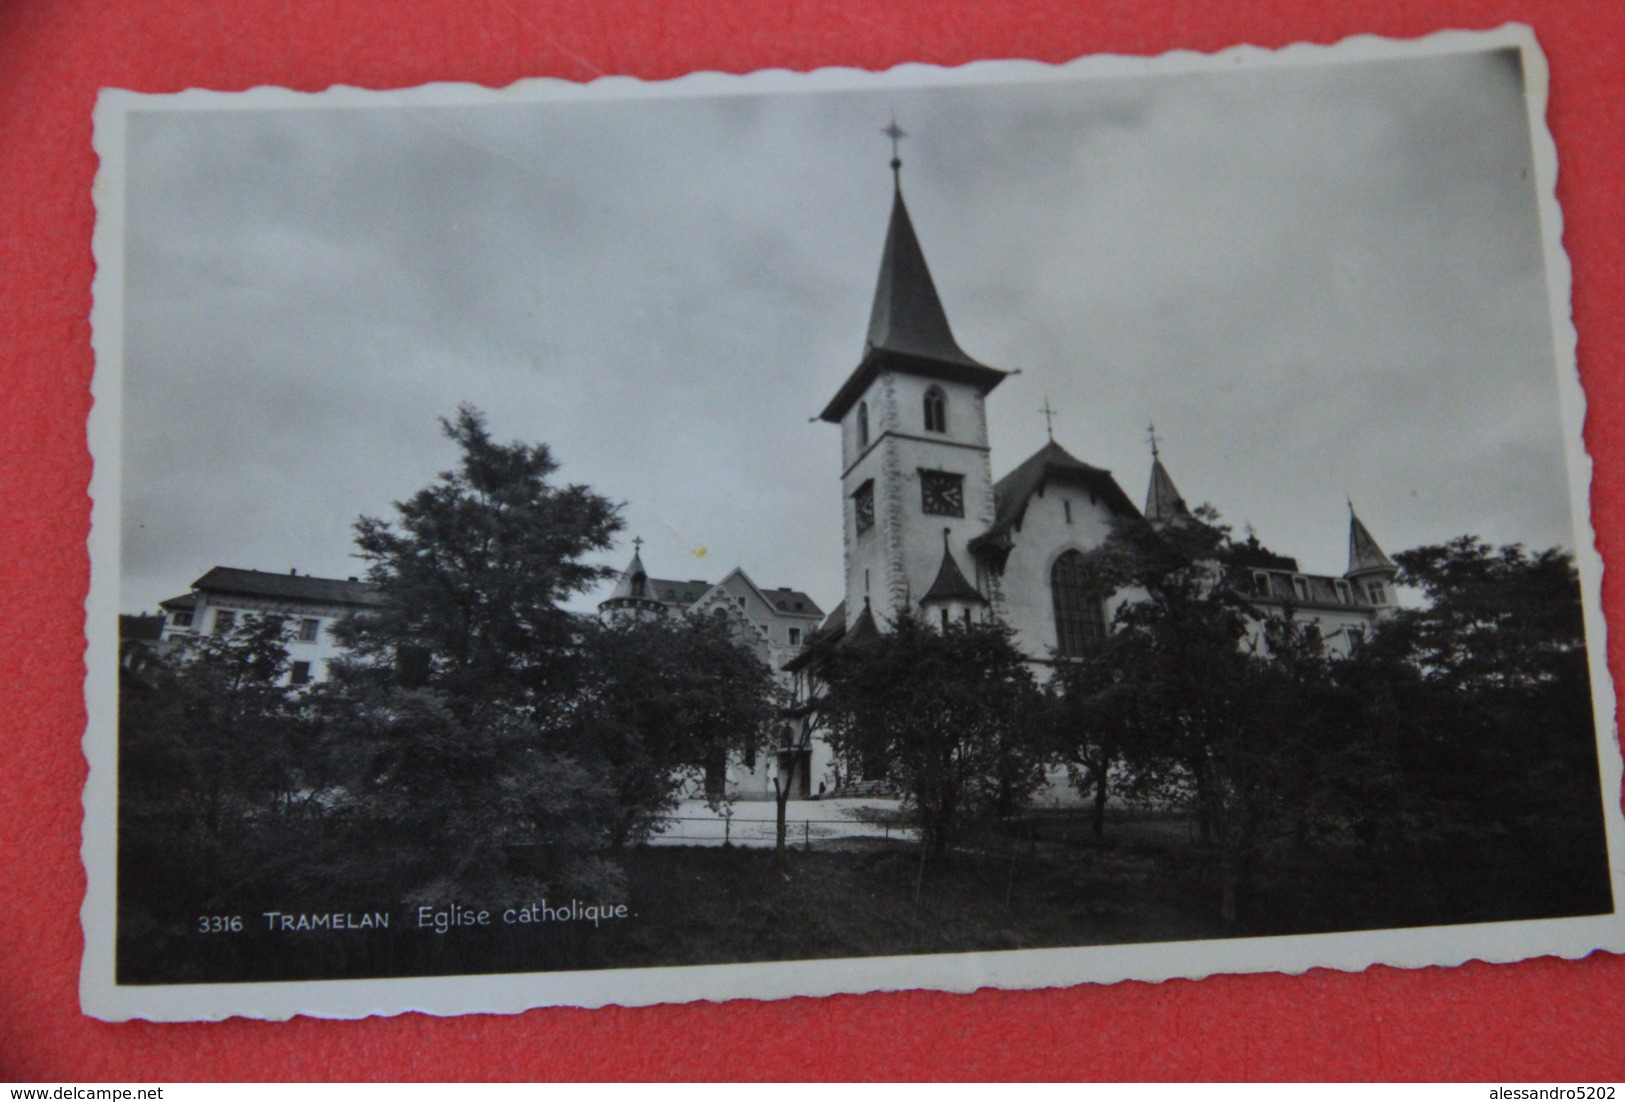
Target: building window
column 1067, row 505
column 1376, row 592
column 1300, row 587
column 967, row 618
column 936, row 410
column 942, row 494
column 720, row 613
column 1344, row 595
column 863, row 506
column 1261, row 584
column 863, row 424
column 300, row 674
column 309, row 629
column 795, row 637
column 180, row 619
column 224, row 621
column 1356, row 639
column 742, row 602
column 1080, row 614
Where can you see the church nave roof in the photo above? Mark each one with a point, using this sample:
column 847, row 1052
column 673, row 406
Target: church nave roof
column 1049, row 463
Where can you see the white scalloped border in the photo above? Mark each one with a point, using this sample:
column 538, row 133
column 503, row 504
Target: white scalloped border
column 1444, row 946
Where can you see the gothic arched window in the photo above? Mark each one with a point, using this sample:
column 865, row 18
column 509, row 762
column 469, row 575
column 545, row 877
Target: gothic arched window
column 863, row 424
column 936, row 410
column 1080, row 614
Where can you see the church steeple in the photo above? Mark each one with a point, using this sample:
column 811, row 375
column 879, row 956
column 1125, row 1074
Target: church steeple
column 914, row 449
column 908, row 327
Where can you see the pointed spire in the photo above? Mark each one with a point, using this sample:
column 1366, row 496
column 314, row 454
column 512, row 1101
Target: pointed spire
column 1365, row 557
column 634, row 580
column 950, row 584
column 1162, row 501
column 908, row 328
column 907, row 316
column 863, row 628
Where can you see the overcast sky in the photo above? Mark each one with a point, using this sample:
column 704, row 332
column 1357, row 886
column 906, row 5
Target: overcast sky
column 1316, row 281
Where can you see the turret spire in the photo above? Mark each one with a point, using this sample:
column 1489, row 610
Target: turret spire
column 950, row 585
column 1163, row 503
column 1365, row 557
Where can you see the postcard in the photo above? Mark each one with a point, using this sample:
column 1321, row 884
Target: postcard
column 794, row 533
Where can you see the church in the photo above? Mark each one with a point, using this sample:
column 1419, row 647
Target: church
column 929, row 532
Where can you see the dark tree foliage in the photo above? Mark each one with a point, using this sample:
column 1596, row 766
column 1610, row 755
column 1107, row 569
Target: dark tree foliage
column 218, row 781
column 1461, row 730
column 473, row 571
column 665, row 703
column 1500, row 654
column 950, row 716
column 435, row 805
column 1098, row 713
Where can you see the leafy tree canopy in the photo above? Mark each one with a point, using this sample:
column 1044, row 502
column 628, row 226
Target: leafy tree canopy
column 948, row 716
column 474, row 569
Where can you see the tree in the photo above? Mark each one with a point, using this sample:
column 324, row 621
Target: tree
column 665, row 704
column 1097, row 710
column 215, row 774
column 455, row 709
column 473, row 574
column 1500, row 648
column 1205, row 700
column 435, row 803
column 949, row 717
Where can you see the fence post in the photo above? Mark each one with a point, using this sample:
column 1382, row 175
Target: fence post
column 806, row 835
column 727, row 830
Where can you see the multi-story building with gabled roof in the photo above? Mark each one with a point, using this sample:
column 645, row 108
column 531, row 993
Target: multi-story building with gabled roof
column 226, row 595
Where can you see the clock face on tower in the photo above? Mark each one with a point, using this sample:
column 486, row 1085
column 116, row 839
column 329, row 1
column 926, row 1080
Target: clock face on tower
column 863, row 506
column 942, row 494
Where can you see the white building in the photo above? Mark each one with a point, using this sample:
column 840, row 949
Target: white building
column 225, row 596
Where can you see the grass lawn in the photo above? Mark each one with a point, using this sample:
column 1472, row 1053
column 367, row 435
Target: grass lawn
column 1048, row 885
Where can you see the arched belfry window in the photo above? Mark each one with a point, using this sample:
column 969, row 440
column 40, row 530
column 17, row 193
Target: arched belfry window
column 1080, row 613
column 863, row 424
column 936, row 410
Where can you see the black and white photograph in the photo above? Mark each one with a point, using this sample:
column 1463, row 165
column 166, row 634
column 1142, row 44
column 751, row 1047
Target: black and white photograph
column 795, row 533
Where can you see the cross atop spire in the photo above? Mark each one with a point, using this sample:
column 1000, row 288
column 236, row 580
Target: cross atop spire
column 637, row 544
column 896, row 134
column 1151, row 434
column 1049, row 419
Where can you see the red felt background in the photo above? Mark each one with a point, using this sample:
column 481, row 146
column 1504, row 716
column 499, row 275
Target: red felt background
column 1540, row 1020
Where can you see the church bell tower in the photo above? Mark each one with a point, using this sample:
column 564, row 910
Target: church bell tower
column 916, row 480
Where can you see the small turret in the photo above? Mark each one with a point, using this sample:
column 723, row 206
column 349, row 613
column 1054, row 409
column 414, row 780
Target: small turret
column 951, row 597
column 1370, row 570
column 1163, row 503
column 633, row 595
